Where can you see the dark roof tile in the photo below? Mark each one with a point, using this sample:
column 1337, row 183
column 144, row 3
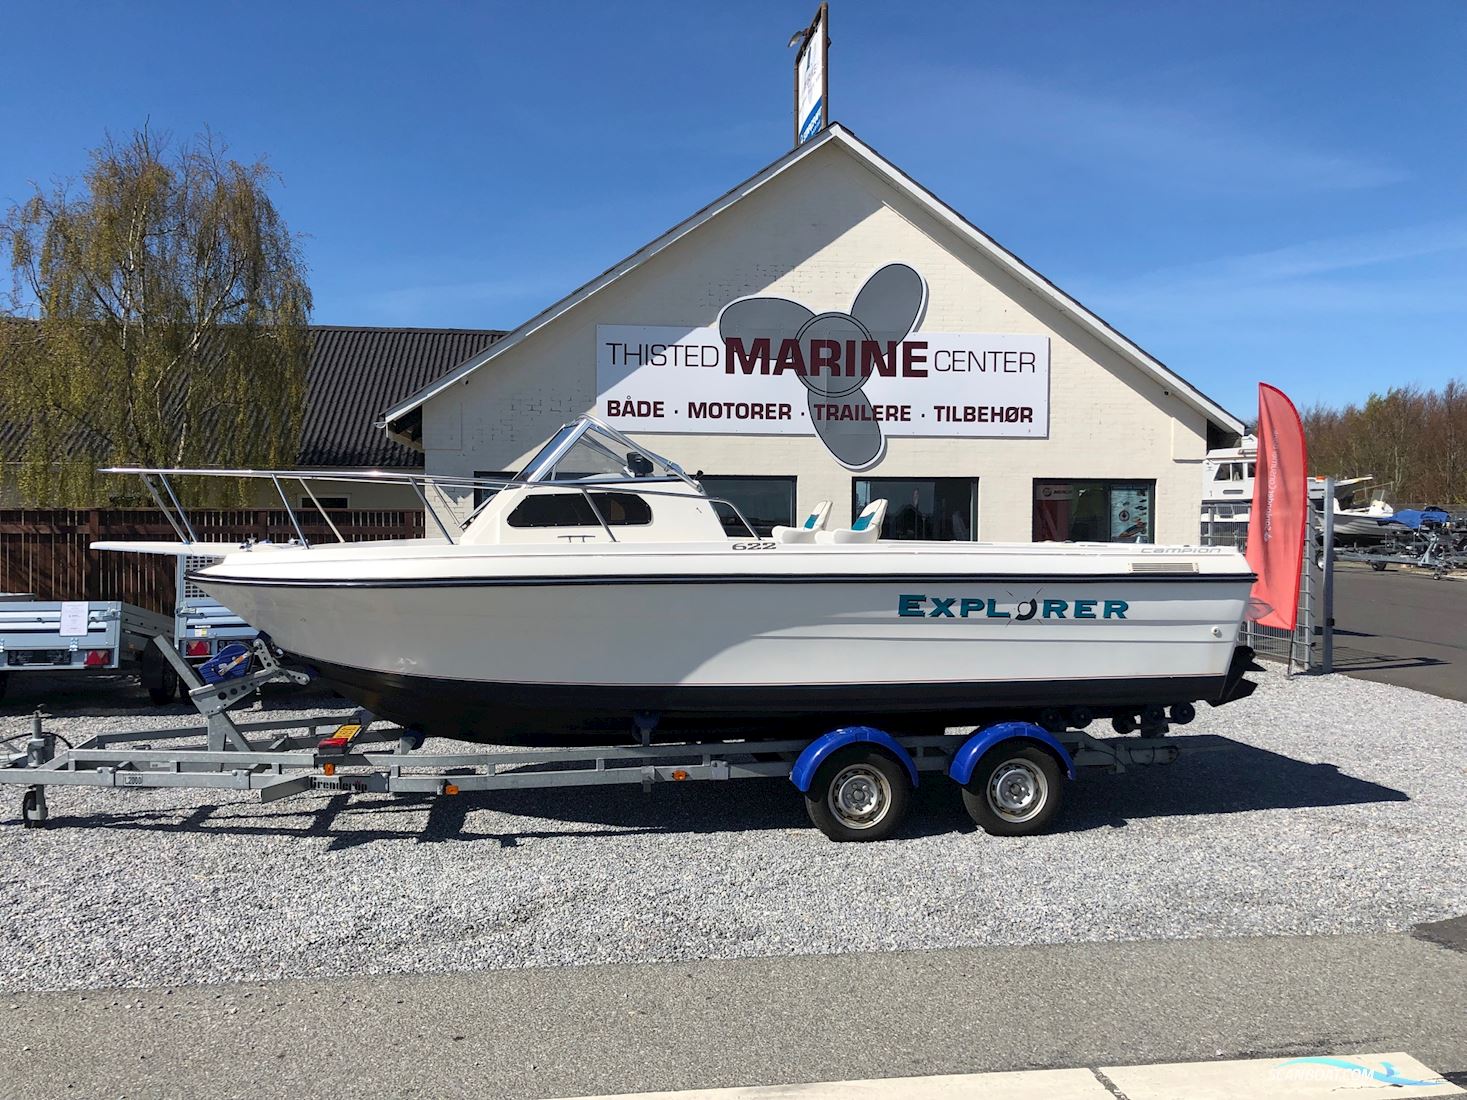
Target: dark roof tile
column 353, row 375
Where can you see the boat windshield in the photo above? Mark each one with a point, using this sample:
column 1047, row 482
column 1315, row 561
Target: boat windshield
column 588, row 450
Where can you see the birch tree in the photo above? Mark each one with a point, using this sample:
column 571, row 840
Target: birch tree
column 1413, row 439
column 158, row 317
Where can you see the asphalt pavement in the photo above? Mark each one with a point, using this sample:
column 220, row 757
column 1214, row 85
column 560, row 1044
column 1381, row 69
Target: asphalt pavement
column 1402, row 627
column 530, row 1034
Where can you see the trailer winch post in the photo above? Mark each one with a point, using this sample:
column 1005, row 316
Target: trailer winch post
column 214, row 701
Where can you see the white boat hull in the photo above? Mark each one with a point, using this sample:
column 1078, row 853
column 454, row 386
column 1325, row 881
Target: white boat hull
column 501, row 653
column 1361, row 528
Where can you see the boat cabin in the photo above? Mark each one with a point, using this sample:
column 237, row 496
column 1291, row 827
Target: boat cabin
column 590, row 483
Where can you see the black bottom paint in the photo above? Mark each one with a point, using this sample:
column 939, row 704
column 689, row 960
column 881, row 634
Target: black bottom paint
column 549, row 714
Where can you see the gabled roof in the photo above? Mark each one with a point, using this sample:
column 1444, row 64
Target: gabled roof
column 352, row 373
column 403, row 420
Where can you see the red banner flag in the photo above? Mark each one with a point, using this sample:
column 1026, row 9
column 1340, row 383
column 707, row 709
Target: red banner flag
column 1280, row 510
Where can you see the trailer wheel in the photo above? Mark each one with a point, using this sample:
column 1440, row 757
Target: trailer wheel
column 165, row 692
column 4, row 683
column 860, row 793
column 1014, row 790
column 158, row 678
column 32, row 809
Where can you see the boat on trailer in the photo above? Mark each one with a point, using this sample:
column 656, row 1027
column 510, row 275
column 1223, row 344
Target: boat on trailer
column 602, row 592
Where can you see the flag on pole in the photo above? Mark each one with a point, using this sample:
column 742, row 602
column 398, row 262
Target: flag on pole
column 1280, row 511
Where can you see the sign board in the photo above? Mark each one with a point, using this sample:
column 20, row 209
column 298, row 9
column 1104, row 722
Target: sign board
column 1129, row 521
column 73, row 619
column 812, row 86
column 774, row 367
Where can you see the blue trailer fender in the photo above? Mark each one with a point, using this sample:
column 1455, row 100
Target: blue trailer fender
column 967, row 757
column 818, row 752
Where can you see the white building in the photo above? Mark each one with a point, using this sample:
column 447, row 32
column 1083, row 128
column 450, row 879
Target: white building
column 972, row 393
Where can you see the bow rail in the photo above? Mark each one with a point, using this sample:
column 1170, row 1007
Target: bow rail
column 156, row 480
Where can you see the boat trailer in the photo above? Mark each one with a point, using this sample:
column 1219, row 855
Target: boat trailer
column 1439, row 550
column 857, row 780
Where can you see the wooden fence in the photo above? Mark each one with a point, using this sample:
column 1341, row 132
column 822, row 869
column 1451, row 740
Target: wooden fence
column 47, row 552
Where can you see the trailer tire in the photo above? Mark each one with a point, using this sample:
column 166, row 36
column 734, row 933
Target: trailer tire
column 4, row 683
column 158, row 678
column 861, row 793
column 164, row 693
column 30, row 815
column 1014, row 790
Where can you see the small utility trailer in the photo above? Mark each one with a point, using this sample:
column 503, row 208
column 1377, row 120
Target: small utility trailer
column 76, row 636
column 108, row 635
column 857, row 781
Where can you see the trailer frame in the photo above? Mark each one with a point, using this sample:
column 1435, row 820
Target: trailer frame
column 361, row 754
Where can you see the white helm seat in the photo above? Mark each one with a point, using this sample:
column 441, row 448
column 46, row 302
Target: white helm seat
column 867, row 527
column 805, row 532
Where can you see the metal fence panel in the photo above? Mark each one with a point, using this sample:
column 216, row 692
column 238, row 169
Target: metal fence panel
column 1300, row 649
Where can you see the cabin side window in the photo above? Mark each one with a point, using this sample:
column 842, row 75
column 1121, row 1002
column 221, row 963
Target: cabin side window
column 574, row 510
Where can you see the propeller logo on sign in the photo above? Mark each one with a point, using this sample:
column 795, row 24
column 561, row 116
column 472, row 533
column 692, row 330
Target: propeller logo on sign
column 835, row 352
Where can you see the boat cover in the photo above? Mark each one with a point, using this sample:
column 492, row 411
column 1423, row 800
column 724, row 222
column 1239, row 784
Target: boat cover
column 1415, row 518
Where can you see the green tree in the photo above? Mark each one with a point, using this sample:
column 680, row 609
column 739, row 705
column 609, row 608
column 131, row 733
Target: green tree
column 158, row 317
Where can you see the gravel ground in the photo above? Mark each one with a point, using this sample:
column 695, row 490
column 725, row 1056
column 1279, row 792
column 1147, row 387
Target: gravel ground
column 1320, row 805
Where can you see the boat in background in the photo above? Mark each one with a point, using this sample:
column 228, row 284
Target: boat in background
column 1227, row 493
column 1363, row 524
column 1359, row 505
column 601, row 592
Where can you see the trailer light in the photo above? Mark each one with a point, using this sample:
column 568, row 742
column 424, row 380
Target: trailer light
column 680, row 775
column 450, row 788
column 97, row 658
column 328, row 769
column 197, row 648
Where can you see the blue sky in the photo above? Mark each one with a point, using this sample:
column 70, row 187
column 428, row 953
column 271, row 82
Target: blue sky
column 1249, row 190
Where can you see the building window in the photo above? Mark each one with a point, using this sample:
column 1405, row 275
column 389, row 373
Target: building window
column 767, row 502
column 574, row 510
column 484, row 493
column 938, row 508
column 330, row 504
column 1094, row 511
